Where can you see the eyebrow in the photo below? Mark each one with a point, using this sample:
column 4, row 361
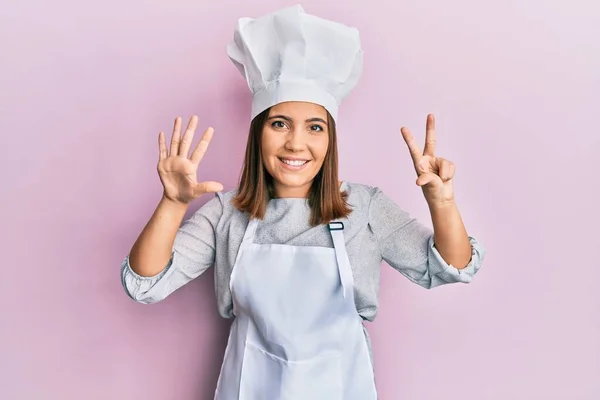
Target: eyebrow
column 285, row 117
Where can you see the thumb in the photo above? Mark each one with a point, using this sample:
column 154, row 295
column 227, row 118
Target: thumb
column 207, row 187
column 427, row 178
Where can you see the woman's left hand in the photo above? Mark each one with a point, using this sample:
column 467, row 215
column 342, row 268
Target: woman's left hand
column 434, row 174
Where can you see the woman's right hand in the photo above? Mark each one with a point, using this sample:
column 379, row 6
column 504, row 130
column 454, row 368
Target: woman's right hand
column 177, row 171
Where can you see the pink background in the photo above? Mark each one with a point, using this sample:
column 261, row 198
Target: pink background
column 85, row 88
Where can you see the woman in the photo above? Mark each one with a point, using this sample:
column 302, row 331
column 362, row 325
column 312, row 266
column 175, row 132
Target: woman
column 296, row 252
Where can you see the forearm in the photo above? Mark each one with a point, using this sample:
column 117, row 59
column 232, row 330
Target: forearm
column 152, row 250
column 450, row 235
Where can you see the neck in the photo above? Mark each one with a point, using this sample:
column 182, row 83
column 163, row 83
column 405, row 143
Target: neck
column 283, row 192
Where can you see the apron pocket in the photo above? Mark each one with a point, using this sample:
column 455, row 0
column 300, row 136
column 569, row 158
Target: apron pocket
column 265, row 376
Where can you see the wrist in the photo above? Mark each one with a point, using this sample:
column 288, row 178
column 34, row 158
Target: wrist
column 441, row 206
column 174, row 205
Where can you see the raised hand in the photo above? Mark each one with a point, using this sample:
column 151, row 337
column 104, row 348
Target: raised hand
column 177, row 171
column 434, row 174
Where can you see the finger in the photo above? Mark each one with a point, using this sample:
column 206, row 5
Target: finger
column 162, row 147
column 413, row 147
column 201, row 147
column 188, row 136
column 446, row 169
column 207, row 187
column 430, row 136
column 175, row 138
column 427, row 178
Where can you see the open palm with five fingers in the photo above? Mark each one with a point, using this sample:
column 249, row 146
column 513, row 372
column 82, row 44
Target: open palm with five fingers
column 434, row 174
column 178, row 170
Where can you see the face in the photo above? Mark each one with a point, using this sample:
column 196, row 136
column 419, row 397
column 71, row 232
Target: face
column 294, row 143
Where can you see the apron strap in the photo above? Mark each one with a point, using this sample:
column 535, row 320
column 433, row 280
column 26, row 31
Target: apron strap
column 248, row 237
column 336, row 228
column 246, row 241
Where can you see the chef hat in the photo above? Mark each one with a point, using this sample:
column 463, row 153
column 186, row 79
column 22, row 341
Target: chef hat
column 290, row 55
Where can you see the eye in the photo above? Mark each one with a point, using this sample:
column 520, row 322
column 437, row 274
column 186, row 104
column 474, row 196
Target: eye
column 316, row 128
column 278, row 124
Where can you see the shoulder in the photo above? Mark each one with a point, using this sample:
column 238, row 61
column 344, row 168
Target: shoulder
column 219, row 200
column 226, row 199
column 228, row 210
column 374, row 203
column 219, row 211
column 360, row 199
column 217, row 205
column 360, row 195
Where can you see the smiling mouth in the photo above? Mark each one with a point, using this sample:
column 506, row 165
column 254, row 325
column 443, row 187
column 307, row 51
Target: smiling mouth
column 293, row 163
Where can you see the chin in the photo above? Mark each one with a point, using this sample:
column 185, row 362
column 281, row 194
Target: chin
column 294, row 181
column 292, row 185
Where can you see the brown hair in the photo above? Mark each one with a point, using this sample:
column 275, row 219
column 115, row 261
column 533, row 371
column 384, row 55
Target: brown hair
column 255, row 189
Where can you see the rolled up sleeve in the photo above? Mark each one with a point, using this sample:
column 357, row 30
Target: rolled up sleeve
column 442, row 272
column 144, row 289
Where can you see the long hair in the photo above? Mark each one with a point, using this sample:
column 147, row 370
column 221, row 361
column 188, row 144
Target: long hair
column 255, row 189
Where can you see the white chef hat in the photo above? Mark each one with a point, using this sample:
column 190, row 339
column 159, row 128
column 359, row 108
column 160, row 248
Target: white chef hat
column 289, row 55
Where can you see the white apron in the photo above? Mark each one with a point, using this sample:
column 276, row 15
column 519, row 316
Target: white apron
column 296, row 333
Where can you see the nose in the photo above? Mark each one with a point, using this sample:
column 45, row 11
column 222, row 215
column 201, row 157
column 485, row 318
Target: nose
column 295, row 140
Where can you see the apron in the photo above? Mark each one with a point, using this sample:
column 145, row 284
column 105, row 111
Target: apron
column 296, row 334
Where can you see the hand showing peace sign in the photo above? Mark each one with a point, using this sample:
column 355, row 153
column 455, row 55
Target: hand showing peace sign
column 178, row 173
column 434, row 173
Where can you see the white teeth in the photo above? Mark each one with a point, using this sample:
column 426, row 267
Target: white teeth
column 294, row 163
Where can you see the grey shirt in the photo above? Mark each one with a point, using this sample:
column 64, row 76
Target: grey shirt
column 377, row 230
